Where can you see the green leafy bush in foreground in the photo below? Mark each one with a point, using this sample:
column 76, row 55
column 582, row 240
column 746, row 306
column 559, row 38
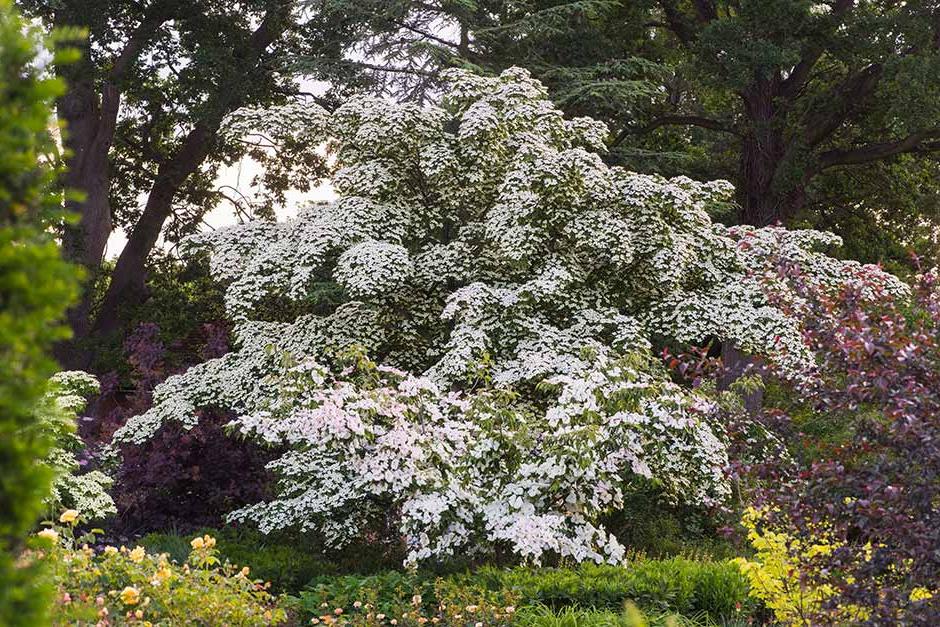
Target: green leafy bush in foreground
column 118, row 586
column 36, row 286
column 691, row 591
column 710, row 591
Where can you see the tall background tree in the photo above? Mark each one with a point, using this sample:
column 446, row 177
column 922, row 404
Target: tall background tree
column 822, row 113
column 143, row 110
column 36, row 286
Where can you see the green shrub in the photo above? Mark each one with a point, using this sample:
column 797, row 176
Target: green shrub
column 36, row 286
column 119, row 586
column 283, row 561
column 630, row 617
column 713, row 591
column 680, row 585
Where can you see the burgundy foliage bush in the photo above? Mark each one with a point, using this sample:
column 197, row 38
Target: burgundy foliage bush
column 863, row 437
column 181, row 479
column 875, row 484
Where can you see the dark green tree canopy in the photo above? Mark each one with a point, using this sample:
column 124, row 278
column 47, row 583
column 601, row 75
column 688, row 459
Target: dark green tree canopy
column 822, row 113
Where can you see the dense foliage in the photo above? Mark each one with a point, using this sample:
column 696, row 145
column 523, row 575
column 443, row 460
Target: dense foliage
column 143, row 105
column 871, row 486
column 821, row 113
column 118, row 586
column 73, row 487
column 485, row 244
column 713, row 591
column 845, row 526
column 182, row 478
column 35, row 287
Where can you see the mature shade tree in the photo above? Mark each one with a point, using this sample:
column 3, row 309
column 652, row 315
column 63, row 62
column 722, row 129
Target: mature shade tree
column 824, row 113
column 36, row 286
column 143, row 109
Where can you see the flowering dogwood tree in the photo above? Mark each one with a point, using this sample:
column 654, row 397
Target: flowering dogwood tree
column 485, row 253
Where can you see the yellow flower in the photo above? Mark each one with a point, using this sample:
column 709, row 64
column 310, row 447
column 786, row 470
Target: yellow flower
column 110, row 550
column 49, row 534
column 138, row 555
column 69, row 516
column 245, row 571
column 197, row 543
column 163, row 574
column 130, row 595
column 920, row 594
column 209, row 540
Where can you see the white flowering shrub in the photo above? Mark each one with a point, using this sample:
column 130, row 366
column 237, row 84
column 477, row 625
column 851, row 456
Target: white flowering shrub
column 86, row 492
column 465, row 472
column 484, row 247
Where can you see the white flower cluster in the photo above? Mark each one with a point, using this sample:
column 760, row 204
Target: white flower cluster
column 484, row 242
column 465, row 473
column 86, row 492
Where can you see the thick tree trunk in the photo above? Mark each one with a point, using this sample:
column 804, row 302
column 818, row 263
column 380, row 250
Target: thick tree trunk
column 762, row 150
column 128, row 277
column 90, row 121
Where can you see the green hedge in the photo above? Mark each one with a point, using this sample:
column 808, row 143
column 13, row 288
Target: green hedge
column 680, row 585
column 631, row 617
column 713, row 591
column 36, row 286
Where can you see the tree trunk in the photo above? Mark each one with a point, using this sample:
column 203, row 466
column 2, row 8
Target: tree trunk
column 87, row 138
column 736, row 363
column 128, row 277
column 127, row 280
column 762, row 150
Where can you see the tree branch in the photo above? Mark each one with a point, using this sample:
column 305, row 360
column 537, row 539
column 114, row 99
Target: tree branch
column 845, row 98
column 675, row 120
column 425, row 34
column 676, row 22
column 915, row 142
column 794, row 83
column 156, row 15
column 706, row 10
column 689, row 120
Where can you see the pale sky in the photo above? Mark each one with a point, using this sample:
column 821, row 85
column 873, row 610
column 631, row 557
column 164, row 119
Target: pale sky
column 239, row 176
